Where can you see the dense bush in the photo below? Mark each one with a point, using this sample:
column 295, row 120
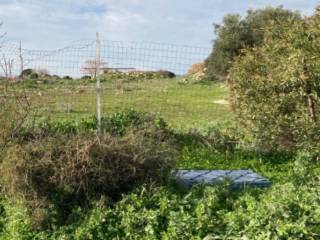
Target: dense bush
column 68, row 170
column 57, row 165
column 119, row 122
column 275, row 88
column 238, row 33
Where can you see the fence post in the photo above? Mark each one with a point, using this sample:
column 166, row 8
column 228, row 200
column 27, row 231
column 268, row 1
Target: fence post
column 98, row 84
column 21, row 58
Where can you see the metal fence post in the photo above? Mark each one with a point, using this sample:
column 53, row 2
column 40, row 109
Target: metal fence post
column 21, row 59
column 98, row 84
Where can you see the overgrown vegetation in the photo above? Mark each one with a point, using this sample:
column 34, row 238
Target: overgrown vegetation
column 64, row 182
column 54, row 167
column 289, row 209
column 275, row 87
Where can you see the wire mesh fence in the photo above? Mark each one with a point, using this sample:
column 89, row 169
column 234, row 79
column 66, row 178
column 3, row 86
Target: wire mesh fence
column 116, row 55
column 62, row 82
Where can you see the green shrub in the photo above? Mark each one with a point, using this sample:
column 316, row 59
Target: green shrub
column 119, row 122
column 67, row 78
column 116, row 124
column 275, row 88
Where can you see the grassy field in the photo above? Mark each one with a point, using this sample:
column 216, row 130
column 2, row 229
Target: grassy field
column 183, row 106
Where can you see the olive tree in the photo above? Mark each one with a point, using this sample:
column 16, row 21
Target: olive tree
column 237, row 33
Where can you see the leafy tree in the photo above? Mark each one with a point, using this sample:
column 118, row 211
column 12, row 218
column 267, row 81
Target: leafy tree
column 276, row 87
column 236, row 34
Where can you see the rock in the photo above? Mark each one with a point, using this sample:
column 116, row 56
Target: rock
column 166, row 74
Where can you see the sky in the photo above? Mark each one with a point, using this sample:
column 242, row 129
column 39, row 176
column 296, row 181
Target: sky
column 52, row 24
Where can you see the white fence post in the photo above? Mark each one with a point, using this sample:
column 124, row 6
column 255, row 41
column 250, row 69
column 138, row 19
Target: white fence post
column 98, row 84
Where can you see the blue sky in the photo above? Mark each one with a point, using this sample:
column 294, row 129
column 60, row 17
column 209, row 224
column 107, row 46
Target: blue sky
column 44, row 24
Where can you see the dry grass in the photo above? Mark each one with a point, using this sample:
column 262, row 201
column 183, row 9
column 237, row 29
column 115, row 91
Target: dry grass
column 75, row 170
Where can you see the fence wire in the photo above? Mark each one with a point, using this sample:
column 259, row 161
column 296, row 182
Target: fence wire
column 139, row 56
column 181, row 104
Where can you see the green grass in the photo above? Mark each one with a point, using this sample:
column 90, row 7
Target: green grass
column 182, row 106
column 277, row 167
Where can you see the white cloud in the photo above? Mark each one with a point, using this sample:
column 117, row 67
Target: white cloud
column 54, row 23
column 121, row 21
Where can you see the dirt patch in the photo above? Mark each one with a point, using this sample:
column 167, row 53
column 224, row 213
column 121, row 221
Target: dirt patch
column 222, row 102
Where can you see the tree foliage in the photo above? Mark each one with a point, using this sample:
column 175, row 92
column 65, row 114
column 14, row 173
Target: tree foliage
column 237, row 33
column 275, row 87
